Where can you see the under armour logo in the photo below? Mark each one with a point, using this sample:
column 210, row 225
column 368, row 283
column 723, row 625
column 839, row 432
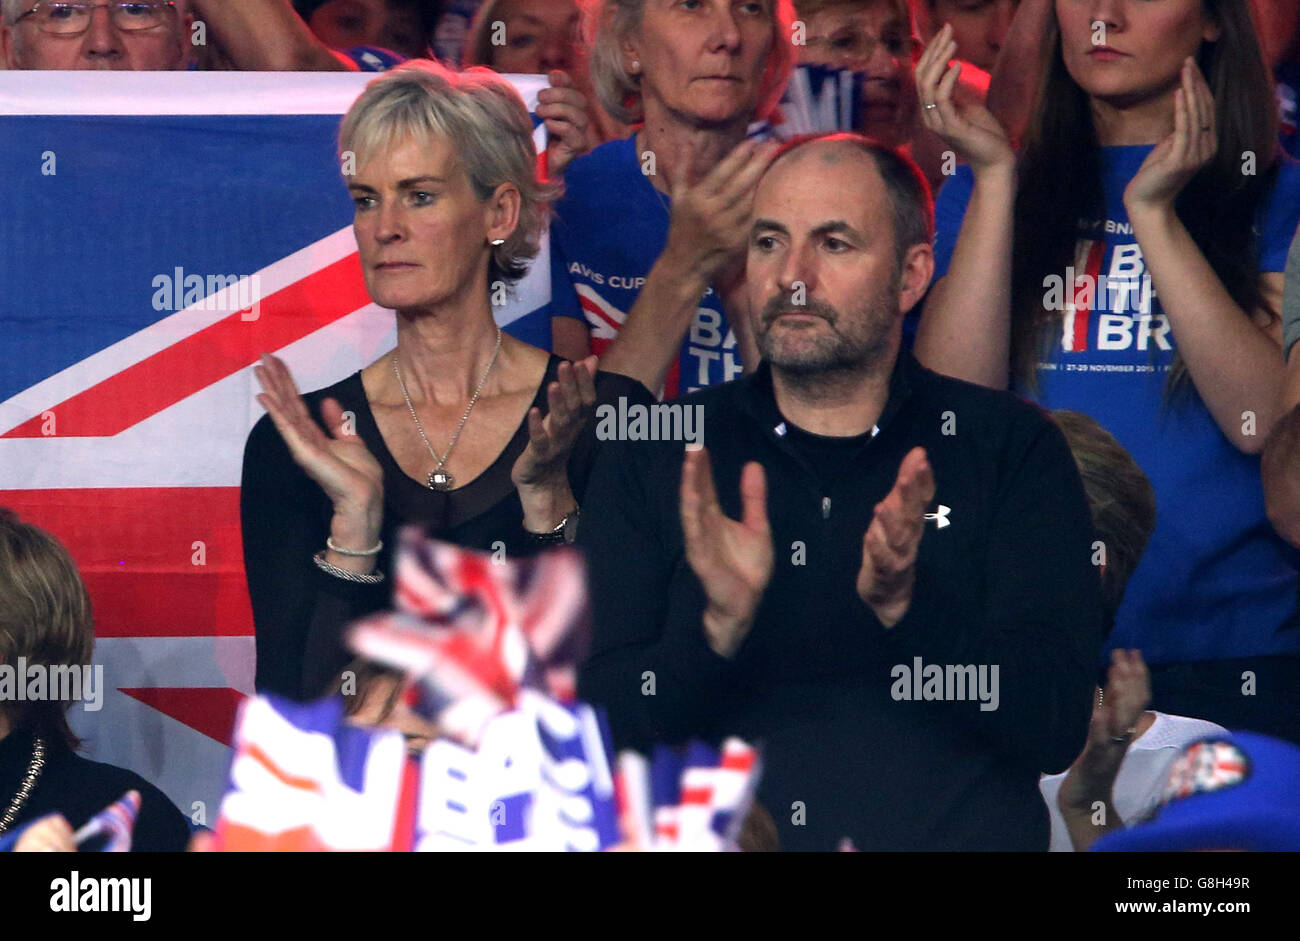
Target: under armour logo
column 941, row 518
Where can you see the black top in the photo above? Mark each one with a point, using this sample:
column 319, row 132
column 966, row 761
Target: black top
column 300, row 612
column 79, row 788
column 827, row 456
column 1008, row 582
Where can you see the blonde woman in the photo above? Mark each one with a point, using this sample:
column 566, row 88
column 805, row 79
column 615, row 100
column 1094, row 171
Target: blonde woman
column 462, row 429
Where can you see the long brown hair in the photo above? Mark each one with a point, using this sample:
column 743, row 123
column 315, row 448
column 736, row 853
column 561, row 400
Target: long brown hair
column 45, row 618
column 1061, row 182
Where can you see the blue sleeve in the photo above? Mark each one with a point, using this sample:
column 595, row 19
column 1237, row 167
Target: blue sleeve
column 1280, row 217
column 949, row 211
column 564, row 299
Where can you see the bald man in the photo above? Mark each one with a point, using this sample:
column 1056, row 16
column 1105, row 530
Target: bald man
column 882, row 575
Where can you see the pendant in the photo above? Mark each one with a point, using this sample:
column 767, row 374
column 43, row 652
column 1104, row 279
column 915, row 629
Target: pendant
column 440, row 480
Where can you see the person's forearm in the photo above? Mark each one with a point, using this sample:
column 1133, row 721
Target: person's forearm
column 1236, row 367
column 651, row 337
column 1086, row 798
column 546, row 505
column 1280, row 469
column 965, row 328
column 1084, row 832
column 1017, row 71
column 265, row 36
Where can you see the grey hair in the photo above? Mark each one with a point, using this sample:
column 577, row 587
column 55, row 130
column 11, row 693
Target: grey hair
column 482, row 115
column 606, row 23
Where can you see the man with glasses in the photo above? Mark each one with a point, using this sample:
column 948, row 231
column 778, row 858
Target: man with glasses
column 157, row 35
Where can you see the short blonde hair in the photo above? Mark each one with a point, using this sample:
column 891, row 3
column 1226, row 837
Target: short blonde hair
column 606, row 23
column 484, row 118
column 45, row 617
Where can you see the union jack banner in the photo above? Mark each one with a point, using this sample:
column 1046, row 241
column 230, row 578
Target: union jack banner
column 163, row 231
column 472, row 631
column 694, row 799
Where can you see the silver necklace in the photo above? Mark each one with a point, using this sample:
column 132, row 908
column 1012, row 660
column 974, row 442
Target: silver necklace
column 440, row 479
column 25, row 789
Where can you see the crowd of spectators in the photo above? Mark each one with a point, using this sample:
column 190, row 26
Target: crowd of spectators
column 1038, row 201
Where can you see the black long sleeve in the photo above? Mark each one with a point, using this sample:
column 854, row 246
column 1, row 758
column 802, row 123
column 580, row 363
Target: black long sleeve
column 1006, row 583
column 301, row 613
column 1041, row 623
column 285, row 518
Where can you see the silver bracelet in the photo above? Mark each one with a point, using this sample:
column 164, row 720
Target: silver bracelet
column 371, row 579
column 329, row 541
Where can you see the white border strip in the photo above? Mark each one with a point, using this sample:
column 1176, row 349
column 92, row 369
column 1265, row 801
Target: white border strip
column 195, row 93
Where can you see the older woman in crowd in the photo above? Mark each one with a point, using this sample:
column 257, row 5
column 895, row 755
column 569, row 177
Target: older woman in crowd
column 46, row 622
column 526, row 37
column 461, row 429
column 675, row 197
column 877, row 39
column 1128, row 263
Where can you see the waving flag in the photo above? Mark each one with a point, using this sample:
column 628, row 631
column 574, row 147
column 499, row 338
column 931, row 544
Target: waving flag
column 473, row 631
column 162, row 231
column 115, row 824
column 302, row 780
column 109, row 831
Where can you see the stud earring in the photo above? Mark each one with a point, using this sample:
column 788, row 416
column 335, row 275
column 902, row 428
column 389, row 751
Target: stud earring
column 636, row 66
column 498, row 242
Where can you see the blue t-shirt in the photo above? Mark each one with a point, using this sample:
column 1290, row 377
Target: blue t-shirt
column 1215, row 581
column 609, row 229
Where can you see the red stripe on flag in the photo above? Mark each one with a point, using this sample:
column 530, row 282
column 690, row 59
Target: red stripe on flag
column 1079, row 342
column 137, row 553
column 201, row 359
column 696, row 795
column 743, row 761
column 207, row 709
column 589, row 305
column 408, row 806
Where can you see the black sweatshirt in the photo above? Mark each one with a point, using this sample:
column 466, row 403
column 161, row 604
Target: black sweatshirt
column 1007, row 582
column 300, row 612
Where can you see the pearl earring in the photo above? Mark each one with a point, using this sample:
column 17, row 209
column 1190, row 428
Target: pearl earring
column 636, row 66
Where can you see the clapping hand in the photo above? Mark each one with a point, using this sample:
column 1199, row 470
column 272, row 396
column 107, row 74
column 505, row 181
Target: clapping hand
column 710, row 217
column 1180, row 156
column 571, row 400
column 969, row 129
column 339, row 461
column 563, row 108
column 732, row 559
column 891, row 542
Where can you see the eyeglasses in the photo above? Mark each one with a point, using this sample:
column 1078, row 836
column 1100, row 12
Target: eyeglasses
column 72, row 17
column 854, row 45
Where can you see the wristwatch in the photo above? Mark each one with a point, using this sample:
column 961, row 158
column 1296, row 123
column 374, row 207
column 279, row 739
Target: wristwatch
column 566, row 532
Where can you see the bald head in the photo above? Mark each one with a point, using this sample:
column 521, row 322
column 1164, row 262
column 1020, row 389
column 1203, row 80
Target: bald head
column 839, row 247
column 867, row 168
